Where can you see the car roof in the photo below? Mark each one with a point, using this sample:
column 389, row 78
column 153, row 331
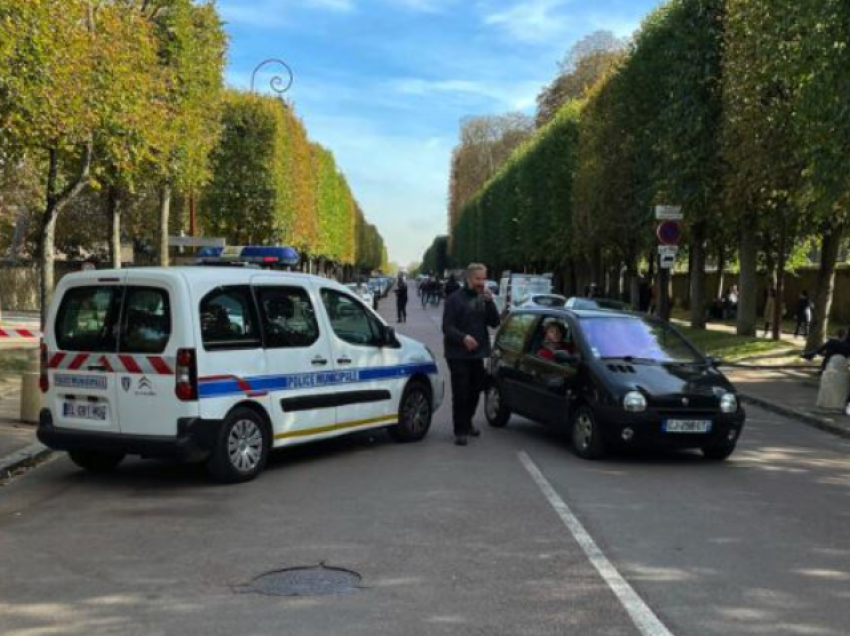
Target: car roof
column 204, row 275
column 579, row 313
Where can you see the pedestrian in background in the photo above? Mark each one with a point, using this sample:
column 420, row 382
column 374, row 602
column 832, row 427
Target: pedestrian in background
column 803, row 314
column 401, row 299
column 452, row 285
column 769, row 310
column 467, row 315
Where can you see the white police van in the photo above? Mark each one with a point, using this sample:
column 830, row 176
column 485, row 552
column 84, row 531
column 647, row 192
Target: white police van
column 221, row 365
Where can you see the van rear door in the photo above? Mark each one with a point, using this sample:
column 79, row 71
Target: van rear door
column 147, row 351
column 83, row 385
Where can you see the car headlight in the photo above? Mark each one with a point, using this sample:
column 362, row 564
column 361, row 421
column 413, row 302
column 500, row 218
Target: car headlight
column 729, row 403
column 634, row 402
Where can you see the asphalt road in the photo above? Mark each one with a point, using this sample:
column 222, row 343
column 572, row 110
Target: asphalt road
column 448, row 540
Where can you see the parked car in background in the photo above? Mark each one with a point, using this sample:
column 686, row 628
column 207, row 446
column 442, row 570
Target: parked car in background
column 616, row 379
column 515, row 289
column 362, row 291
column 548, row 301
column 579, row 302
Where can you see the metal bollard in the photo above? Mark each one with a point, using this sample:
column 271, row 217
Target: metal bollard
column 30, row 390
column 834, row 384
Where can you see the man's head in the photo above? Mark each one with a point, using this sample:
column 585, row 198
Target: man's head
column 476, row 277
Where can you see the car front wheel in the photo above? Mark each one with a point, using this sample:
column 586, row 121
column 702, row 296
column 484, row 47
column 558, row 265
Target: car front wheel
column 586, row 434
column 718, row 453
column 495, row 409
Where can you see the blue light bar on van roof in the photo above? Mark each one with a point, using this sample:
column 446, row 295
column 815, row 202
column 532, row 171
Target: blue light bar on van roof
column 269, row 255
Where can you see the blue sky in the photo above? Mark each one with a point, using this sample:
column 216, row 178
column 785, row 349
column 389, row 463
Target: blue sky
column 385, row 83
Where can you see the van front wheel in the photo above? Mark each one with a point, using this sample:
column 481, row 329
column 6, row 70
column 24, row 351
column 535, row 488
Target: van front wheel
column 242, row 449
column 414, row 414
column 96, row 461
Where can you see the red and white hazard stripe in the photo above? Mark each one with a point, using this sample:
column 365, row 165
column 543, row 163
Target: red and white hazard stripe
column 111, row 363
column 19, row 333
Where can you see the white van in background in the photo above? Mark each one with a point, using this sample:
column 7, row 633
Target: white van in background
column 222, row 365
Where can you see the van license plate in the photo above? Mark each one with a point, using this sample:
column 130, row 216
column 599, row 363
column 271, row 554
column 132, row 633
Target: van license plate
column 687, row 426
column 82, row 411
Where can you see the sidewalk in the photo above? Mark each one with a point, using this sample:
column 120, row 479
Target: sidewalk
column 18, row 444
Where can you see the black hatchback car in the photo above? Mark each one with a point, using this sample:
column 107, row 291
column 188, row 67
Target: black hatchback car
column 616, row 379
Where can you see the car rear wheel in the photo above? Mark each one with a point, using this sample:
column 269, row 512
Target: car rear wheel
column 586, row 435
column 414, row 414
column 718, row 453
column 242, row 449
column 495, row 409
column 96, row 461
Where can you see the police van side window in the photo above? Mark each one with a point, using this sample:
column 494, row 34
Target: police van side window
column 289, row 319
column 513, row 334
column 147, row 320
column 229, row 320
column 350, row 320
column 87, row 319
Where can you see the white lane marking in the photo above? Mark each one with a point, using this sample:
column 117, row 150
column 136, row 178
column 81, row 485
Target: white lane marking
column 642, row 616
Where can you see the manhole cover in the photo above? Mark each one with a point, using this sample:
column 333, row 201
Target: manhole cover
column 305, row 581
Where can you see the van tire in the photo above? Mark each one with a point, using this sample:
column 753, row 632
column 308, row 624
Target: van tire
column 414, row 414
column 242, row 448
column 96, row 461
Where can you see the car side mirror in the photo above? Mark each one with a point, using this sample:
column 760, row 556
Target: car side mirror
column 565, row 357
column 714, row 361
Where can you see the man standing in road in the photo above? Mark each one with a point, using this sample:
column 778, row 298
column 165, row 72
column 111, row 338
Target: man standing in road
column 467, row 315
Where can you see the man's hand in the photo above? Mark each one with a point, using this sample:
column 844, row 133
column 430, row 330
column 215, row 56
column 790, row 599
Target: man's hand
column 470, row 343
column 487, row 295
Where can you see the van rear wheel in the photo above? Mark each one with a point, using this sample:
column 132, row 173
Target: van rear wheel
column 414, row 414
column 242, row 448
column 96, row 461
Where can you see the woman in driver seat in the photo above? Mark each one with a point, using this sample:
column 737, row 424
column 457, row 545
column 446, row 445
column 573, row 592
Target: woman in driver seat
column 554, row 340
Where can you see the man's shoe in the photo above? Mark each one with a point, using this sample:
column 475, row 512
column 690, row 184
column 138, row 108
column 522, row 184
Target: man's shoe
column 475, row 432
column 460, row 440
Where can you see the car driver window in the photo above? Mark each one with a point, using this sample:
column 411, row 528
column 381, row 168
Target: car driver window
column 350, row 320
column 553, row 336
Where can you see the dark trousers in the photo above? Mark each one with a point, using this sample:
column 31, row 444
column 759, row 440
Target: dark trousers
column 467, row 384
column 402, row 311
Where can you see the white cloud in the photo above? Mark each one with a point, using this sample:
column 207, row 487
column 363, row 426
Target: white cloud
column 511, row 96
column 531, row 20
column 276, row 13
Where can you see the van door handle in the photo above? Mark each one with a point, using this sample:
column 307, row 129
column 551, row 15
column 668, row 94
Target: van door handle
column 96, row 367
column 319, row 361
column 344, row 360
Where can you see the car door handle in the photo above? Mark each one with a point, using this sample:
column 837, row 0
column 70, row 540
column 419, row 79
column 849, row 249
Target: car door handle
column 319, row 361
column 343, row 360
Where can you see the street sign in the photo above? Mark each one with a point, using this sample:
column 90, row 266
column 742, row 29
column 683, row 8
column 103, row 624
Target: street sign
column 669, row 232
column 668, row 212
column 667, row 256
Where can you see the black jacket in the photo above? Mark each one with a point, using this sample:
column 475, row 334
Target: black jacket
column 466, row 314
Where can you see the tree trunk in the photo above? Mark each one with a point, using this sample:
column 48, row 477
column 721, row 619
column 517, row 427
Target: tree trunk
column 113, row 205
column 748, row 284
column 697, row 276
column 780, row 278
column 54, row 204
column 164, row 215
column 830, row 246
column 721, row 266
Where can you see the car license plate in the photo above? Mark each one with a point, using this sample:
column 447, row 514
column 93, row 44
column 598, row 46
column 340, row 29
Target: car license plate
column 687, row 426
column 83, row 411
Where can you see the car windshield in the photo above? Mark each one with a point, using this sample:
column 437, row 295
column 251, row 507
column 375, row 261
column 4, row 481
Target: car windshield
column 549, row 301
column 636, row 338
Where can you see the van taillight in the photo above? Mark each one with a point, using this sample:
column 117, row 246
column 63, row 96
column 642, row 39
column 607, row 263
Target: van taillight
column 186, row 375
column 43, row 379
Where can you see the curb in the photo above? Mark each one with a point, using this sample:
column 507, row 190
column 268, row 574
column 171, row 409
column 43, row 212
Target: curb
column 814, row 421
column 23, row 458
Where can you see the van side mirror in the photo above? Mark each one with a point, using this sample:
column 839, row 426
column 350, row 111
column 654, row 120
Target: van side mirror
column 389, row 339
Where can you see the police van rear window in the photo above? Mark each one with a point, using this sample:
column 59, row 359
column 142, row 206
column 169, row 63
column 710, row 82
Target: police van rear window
column 87, row 319
column 146, row 325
